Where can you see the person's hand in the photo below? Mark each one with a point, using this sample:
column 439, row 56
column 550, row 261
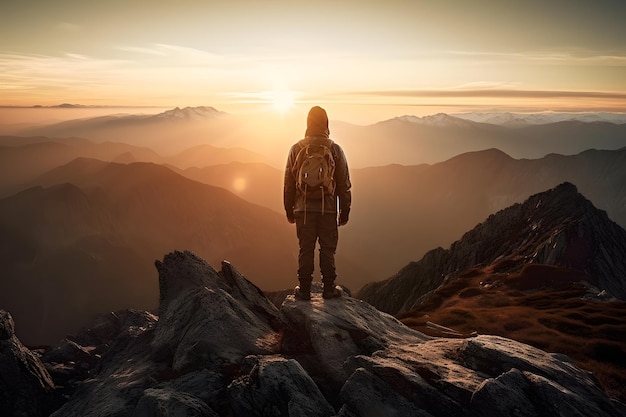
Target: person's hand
column 343, row 217
column 290, row 217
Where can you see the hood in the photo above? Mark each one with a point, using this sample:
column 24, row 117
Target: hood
column 317, row 122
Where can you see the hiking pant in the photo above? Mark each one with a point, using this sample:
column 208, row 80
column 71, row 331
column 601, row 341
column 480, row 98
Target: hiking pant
column 318, row 227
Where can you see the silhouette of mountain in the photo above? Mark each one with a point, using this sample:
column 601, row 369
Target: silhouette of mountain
column 558, row 227
column 407, row 140
column 166, row 133
column 525, row 119
column 22, row 159
column 401, row 212
column 410, row 140
column 78, row 127
column 83, row 242
column 220, row 348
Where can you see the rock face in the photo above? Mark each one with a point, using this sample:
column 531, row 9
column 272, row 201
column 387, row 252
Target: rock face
column 558, row 227
column 26, row 388
column 220, row 348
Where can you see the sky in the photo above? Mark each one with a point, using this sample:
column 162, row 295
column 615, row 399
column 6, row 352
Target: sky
column 362, row 61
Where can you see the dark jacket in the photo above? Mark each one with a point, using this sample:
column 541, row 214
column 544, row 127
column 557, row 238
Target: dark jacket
column 296, row 201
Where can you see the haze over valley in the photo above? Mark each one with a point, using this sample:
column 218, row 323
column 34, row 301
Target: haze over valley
column 94, row 189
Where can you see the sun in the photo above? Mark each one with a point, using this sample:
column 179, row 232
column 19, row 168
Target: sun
column 282, row 100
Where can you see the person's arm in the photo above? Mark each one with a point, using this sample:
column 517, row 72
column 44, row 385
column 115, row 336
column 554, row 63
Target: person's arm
column 343, row 186
column 289, row 190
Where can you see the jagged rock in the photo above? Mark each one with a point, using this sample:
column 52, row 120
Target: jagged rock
column 337, row 357
column 124, row 372
column 212, row 309
column 276, row 386
column 558, row 227
column 75, row 358
column 26, row 388
column 209, row 321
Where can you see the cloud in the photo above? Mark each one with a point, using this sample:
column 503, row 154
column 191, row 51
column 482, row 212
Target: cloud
column 162, row 49
column 69, row 67
column 491, row 93
column 571, row 57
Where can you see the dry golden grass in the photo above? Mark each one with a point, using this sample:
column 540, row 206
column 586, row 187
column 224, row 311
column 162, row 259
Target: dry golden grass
column 540, row 305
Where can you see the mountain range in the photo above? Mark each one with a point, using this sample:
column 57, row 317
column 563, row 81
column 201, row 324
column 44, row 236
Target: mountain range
column 407, row 140
column 410, row 140
column 404, row 211
column 399, row 212
column 23, row 159
column 524, row 119
column 83, row 240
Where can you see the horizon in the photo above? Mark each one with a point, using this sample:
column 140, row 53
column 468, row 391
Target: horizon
column 294, row 117
column 362, row 63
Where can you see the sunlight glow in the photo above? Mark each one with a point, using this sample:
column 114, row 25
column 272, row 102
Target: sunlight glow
column 240, row 184
column 282, row 100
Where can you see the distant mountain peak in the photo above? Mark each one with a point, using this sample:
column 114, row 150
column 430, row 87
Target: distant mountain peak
column 190, row 113
column 435, row 120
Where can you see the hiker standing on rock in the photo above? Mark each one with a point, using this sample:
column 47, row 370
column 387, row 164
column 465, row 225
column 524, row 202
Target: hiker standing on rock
column 317, row 199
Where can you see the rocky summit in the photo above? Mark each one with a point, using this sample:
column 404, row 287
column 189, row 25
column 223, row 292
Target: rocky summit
column 219, row 347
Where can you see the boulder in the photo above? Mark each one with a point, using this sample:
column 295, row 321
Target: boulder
column 276, row 386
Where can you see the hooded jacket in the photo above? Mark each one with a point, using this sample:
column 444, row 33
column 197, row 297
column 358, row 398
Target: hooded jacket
column 295, row 200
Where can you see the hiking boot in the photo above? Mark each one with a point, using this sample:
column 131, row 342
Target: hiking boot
column 331, row 291
column 302, row 293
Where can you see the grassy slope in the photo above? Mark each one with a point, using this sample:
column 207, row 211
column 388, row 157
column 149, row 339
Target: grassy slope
column 541, row 305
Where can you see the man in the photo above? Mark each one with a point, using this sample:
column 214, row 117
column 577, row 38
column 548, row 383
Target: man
column 314, row 210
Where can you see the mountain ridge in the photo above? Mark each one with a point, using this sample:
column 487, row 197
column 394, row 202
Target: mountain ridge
column 558, row 227
column 523, row 119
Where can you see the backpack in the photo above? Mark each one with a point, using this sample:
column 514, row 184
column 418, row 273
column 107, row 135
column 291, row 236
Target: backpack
column 314, row 170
